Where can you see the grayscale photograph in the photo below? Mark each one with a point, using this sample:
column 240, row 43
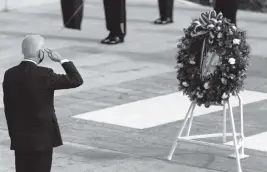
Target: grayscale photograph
column 133, row 86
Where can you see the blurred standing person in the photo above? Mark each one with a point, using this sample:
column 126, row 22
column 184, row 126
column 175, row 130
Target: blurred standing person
column 29, row 105
column 165, row 11
column 115, row 15
column 72, row 13
column 227, row 7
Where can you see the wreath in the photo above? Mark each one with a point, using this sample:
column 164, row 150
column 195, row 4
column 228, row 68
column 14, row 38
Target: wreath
column 212, row 60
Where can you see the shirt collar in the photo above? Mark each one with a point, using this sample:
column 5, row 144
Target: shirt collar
column 30, row 61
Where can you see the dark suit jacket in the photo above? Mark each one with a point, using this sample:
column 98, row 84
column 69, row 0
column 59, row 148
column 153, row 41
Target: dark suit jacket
column 29, row 104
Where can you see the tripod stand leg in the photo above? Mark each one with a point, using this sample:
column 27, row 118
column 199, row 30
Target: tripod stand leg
column 224, row 122
column 191, row 120
column 191, row 109
column 238, row 164
column 242, row 149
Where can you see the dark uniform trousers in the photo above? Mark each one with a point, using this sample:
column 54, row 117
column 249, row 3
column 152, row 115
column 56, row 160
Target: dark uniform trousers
column 114, row 16
column 165, row 9
column 228, row 8
column 69, row 7
column 33, row 161
column 37, row 160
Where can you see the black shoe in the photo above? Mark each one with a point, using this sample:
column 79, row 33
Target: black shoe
column 162, row 22
column 104, row 41
column 113, row 40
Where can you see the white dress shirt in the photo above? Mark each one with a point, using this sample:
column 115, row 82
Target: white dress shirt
column 64, row 61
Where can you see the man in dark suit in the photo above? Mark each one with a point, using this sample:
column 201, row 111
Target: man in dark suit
column 165, row 11
column 115, row 14
column 29, row 105
column 227, row 7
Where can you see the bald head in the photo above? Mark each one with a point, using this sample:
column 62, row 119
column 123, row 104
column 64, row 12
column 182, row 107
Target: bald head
column 31, row 44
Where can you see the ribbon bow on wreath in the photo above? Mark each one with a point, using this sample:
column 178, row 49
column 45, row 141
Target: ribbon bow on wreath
column 207, row 25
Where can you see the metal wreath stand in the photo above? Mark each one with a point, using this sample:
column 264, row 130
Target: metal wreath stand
column 238, row 146
column 238, row 143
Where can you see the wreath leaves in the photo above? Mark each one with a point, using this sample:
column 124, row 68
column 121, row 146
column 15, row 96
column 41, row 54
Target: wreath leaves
column 230, row 45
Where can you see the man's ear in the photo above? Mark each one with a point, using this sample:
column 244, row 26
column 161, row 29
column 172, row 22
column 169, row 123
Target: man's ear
column 41, row 55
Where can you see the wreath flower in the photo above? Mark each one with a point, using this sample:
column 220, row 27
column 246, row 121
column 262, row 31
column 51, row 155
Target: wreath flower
column 212, row 60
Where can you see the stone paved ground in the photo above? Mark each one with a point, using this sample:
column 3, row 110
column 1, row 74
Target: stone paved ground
column 139, row 69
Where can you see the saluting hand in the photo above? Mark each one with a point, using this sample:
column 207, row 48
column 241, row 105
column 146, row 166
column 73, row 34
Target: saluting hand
column 56, row 57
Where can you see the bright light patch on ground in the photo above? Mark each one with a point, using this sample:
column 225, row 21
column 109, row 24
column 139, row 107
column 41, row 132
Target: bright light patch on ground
column 158, row 110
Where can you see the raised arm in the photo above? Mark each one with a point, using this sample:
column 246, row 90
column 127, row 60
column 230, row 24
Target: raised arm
column 71, row 79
